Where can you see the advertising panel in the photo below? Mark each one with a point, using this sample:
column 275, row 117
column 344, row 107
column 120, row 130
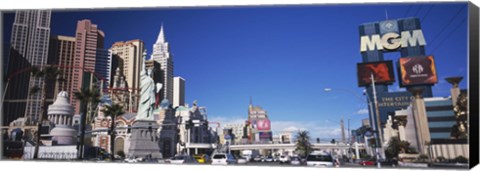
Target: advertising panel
column 265, row 135
column 263, row 125
column 418, row 71
column 382, row 72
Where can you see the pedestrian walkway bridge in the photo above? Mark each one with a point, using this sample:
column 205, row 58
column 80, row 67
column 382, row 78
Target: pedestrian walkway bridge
column 317, row 146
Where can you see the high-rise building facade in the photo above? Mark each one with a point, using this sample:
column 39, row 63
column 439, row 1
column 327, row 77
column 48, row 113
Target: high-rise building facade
column 178, row 91
column 103, row 68
column 28, row 47
column 62, row 50
column 5, row 50
column 131, row 52
column 237, row 130
column 161, row 54
column 89, row 57
column 259, row 123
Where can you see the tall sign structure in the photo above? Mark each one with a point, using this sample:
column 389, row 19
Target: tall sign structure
column 161, row 54
column 404, row 36
column 28, row 47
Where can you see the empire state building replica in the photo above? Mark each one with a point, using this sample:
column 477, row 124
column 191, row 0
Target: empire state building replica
column 161, row 54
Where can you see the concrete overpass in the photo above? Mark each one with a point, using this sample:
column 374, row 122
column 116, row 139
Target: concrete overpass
column 290, row 148
column 321, row 146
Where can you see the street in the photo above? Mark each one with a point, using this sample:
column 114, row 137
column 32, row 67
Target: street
column 343, row 165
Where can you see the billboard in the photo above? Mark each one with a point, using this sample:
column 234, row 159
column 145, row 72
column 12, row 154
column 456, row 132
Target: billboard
column 418, row 71
column 382, row 72
column 263, row 125
column 265, row 135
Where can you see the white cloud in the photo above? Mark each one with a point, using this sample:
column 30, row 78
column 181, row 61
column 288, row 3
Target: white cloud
column 225, row 121
column 362, row 111
column 317, row 129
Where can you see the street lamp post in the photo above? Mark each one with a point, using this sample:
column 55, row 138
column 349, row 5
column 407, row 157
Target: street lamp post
column 370, row 105
column 359, row 98
column 378, row 137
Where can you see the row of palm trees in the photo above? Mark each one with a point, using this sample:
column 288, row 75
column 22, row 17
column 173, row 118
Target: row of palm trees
column 89, row 99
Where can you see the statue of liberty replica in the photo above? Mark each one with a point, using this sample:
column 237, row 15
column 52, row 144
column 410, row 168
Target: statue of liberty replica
column 144, row 139
column 148, row 88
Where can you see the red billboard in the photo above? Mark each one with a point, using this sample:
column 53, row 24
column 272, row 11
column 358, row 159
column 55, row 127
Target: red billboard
column 382, row 73
column 418, row 71
column 263, row 125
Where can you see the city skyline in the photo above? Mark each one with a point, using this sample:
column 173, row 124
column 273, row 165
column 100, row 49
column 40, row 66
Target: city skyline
column 254, row 51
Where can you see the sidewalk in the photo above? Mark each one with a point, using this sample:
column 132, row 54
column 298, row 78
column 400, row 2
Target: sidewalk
column 447, row 165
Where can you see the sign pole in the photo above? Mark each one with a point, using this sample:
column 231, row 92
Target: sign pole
column 377, row 127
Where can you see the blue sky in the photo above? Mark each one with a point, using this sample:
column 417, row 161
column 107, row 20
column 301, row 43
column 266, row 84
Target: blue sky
column 282, row 56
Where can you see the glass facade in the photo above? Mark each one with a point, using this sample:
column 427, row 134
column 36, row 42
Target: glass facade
column 28, row 47
column 441, row 117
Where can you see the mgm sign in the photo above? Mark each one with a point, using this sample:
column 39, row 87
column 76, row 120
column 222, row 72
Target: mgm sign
column 392, row 40
column 403, row 36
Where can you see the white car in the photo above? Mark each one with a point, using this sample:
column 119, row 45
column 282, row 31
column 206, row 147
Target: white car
column 284, row 159
column 183, row 159
column 242, row 160
column 295, row 161
column 223, row 159
column 139, row 159
column 130, row 160
column 248, row 157
column 320, row 159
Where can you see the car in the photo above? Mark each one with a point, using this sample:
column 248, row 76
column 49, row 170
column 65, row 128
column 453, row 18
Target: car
column 248, row 157
column 182, row 159
column 257, row 158
column 139, row 159
column 389, row 162
column 242, row 160
column 284, row 159
column 276, row 159
column 367, row 162
column 295, row 161
column 202, row 158
column 268, row 159
column 163, row 161
column 320, row 159
column 223, row 159
column 130, row 160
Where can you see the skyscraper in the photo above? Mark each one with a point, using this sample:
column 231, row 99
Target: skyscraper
column 260, row 124
column 161, row 54
column 62, row 50
column 28, row 47
column 131, row 52
column 89, row 57
column 178, row 91
column 5, row 50
column 103, row 66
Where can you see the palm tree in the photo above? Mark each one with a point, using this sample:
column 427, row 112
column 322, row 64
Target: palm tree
column 113, row 111
column 46, row 74
column 302, row 144
column 460, row 129
column 396, row 146
column 88, row 99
